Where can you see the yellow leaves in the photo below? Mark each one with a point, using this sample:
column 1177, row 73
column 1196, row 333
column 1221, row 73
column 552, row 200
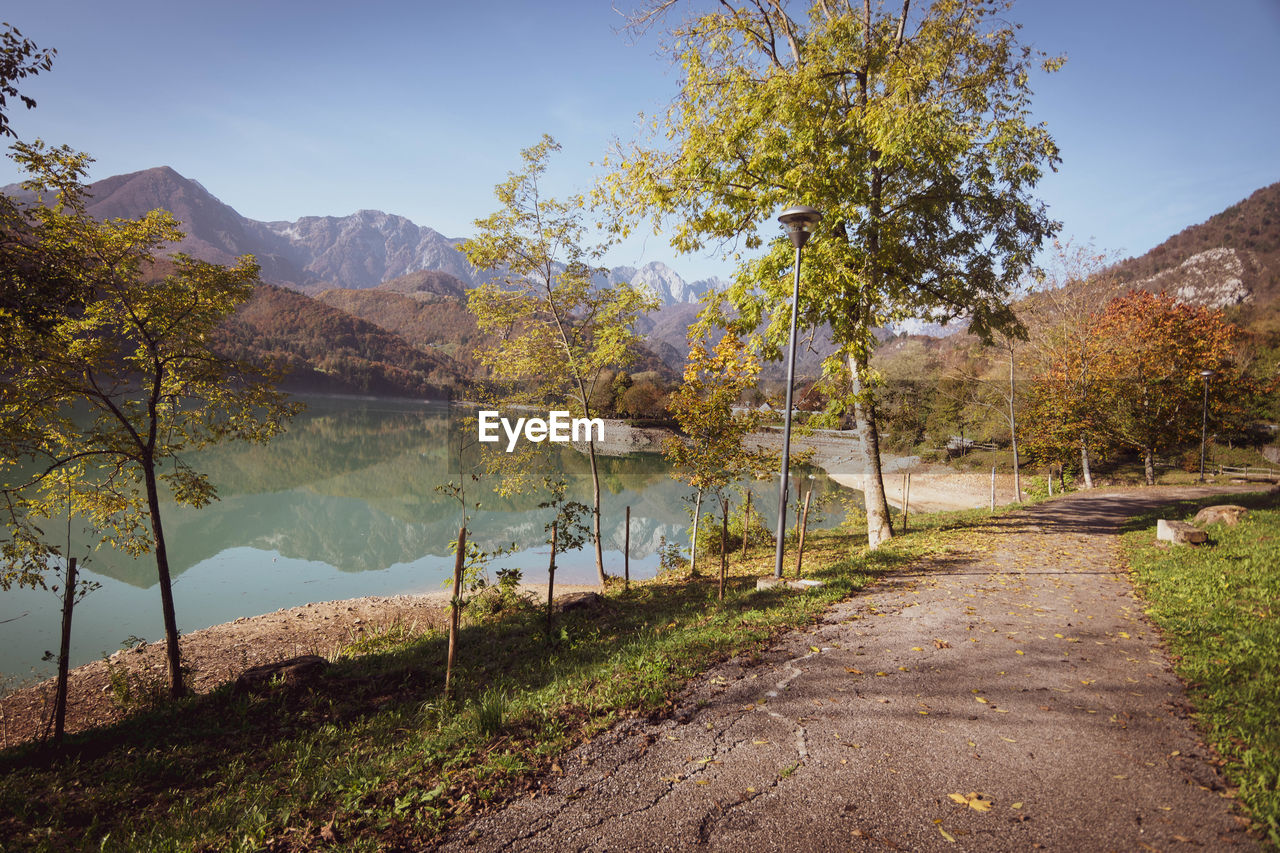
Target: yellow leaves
column 815, row 650
column 972, row 800
column 980, row 699
column 916, row 649
column 941, row 644
column 947, row 835
column 1124, row 635
column 852, row 670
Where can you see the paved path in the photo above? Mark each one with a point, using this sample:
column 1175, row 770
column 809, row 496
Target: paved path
column 1019, row 668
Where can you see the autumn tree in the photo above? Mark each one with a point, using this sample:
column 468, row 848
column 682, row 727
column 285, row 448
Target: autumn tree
column 101, row 405
column 710, row 454
column 559, row 333
column 1152, row 385
column 909, row 130
column 1065, row 405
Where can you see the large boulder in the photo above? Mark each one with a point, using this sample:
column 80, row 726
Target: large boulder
column 1180, row 533
column 1228, row 514
column 294, row 672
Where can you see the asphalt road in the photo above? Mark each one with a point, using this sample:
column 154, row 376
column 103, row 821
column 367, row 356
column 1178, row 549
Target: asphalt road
column 1009, row 696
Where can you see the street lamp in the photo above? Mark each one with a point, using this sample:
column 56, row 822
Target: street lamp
column 1204, row 418
column 799, row 222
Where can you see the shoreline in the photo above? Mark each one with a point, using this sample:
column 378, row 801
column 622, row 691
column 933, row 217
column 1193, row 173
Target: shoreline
column 218, row 654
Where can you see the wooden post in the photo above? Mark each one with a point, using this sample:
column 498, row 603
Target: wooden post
column 626, row 553
column 551, row 574
column 993, row 489
column 724, row 541
column 804, row 526
column 64, row 653
column 1050, row 479
column 906, row 504
column 746, row 525
column 455, row 605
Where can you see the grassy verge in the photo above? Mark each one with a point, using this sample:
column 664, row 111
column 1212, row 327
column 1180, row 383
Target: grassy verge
column 1219, row 609
column 375, row 757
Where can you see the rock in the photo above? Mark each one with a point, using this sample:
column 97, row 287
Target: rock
column 580, row 601
column 768, row 583
column 295, row 672
column 1229, row 514
column 1180, row 533
column 803, row 585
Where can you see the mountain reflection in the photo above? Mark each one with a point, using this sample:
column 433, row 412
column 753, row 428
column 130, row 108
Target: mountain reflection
column 352, row 484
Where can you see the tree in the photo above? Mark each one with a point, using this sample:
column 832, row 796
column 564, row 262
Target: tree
column 19, row 58
column 710, row 455
column 561, row 336
column 1152, row 386
column 100, row 404
column 1065, row 404
column 910, row 132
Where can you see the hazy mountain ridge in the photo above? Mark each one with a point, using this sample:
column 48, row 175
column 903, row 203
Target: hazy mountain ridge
column 362, row 250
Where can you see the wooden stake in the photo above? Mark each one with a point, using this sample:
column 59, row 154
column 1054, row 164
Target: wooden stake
column 455, row 604
column 906, row 504
column 724, row 542
column 551, row 575
column 626, row 553
column 804, row 526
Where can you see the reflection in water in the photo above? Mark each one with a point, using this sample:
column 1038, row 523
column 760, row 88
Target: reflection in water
column 344, row 504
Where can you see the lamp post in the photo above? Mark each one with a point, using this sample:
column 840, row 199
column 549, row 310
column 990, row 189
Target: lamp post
column 1204, row 418
column 799, row 222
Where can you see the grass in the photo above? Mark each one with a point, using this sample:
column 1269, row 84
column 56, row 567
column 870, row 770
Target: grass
column 375, row 757
column 1219, row 609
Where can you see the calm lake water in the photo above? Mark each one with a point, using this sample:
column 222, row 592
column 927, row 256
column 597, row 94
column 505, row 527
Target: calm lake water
column 344, row 505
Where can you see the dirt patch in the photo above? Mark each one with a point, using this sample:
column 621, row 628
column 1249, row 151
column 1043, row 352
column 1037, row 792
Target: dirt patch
column 218, row 654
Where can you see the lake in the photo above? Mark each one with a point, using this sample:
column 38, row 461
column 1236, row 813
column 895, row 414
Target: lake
column 343, row 505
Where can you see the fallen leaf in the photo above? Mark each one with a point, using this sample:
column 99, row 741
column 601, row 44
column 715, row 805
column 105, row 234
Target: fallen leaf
column 959, row 798
column 854, row 671
column 916, row 649
column 1015, row 806
column 1019, row 652
column 980, row 699
column 815, row 649
column 942, row 644
column 947, row 835
column 759, row 742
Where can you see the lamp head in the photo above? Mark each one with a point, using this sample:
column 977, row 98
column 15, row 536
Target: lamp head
column 800, row 221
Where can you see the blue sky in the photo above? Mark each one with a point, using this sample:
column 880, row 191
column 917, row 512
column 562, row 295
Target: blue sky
column 1167, row 111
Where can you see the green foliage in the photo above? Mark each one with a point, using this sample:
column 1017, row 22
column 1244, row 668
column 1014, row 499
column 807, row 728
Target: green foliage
column 1216, row 607
column 559, row 338
column 19, row 58
column 103, row 397
column 913, row 137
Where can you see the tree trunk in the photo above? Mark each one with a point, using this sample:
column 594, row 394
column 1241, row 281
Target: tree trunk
column 1013, row 432
column 693, row 545
column 746, row 525
column 173, row 654
column 595, row 513
column 455, row 604
column 879, row 525
column 1085, row 470
column 64, row 653
column 1149, row 466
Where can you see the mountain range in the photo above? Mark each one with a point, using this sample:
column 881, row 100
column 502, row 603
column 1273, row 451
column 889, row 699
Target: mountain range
column 374, row 303
column 316, row 253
